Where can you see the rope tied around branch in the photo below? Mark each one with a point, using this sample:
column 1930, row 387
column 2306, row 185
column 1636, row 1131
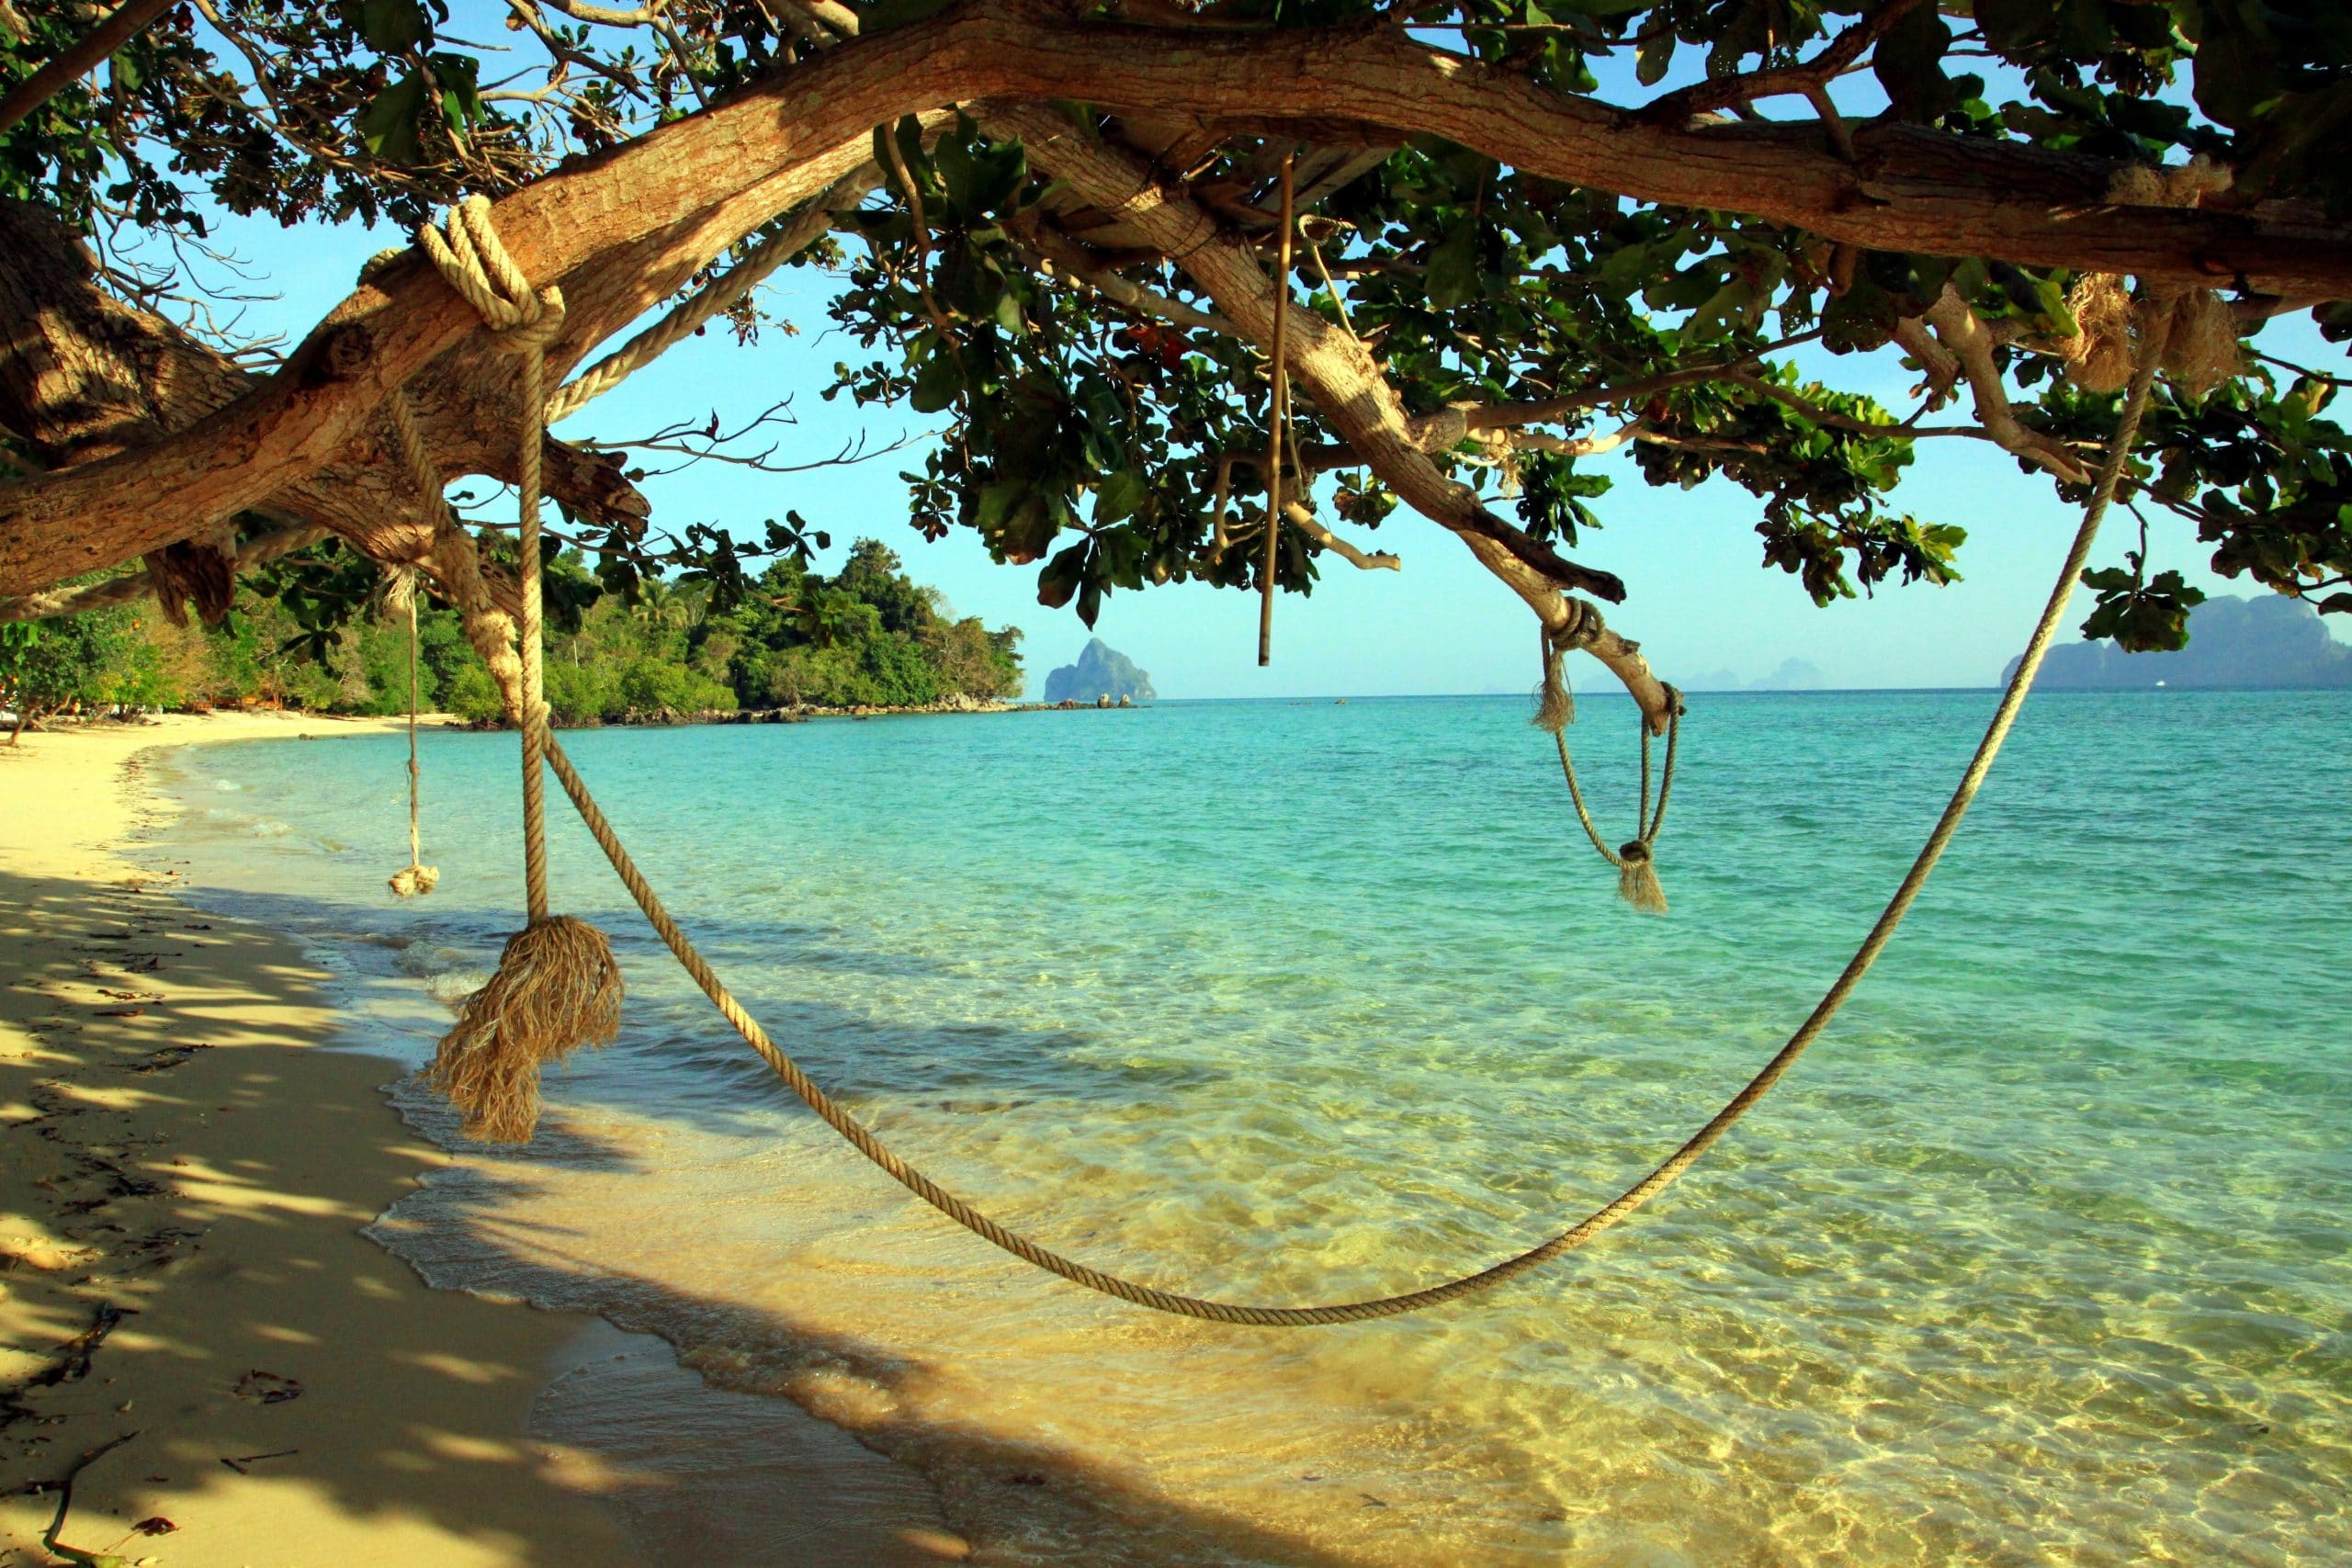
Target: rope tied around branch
column 1556, row 703
column 557, row 987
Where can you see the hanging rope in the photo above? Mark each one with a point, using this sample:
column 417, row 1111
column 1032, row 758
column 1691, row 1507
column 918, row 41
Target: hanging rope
column 415, row 878
column 557, row 987
column 1277, row 421
column 1636, row 858
column 2155, row 326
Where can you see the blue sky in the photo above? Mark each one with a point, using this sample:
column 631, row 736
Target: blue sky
column 1699, row 599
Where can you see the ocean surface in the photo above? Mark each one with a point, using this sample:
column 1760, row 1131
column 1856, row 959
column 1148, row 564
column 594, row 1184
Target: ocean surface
column 2043, row 1256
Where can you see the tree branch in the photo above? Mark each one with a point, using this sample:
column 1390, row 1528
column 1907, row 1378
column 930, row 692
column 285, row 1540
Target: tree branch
column 1971, row 344
column 1726, row 92
column 622, row 230
column 126, row 20
column 1307, row 523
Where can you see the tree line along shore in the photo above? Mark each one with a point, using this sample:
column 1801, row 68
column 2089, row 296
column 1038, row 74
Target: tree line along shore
column 865, row 639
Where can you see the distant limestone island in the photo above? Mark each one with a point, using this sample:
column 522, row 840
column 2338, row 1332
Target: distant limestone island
column 1793, row 675
column 2270, row 642
column 1103, row 676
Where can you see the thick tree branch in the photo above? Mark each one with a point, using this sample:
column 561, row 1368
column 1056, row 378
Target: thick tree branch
column 132, row 586
column 85, row 377
column 622, row 230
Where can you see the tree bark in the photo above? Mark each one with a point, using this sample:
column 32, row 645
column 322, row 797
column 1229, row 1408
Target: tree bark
column 622, row 230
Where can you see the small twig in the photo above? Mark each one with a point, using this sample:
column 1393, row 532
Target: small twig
column 65, row 1502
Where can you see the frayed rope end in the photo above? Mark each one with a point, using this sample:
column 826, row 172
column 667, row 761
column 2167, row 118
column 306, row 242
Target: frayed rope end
column 557, row 989
column 414, row 881
column 1637, row 879
column 1555, row 705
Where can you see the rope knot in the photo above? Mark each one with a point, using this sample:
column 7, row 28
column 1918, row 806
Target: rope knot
column 475, row 262
column 1632, row 850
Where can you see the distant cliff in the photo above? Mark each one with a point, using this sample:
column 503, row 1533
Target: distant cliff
column 1793, row 675
column 2269, row 641
column 1100, row 672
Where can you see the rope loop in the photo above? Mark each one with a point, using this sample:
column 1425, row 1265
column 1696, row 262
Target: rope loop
column 475, row 262
column 1627, row 1202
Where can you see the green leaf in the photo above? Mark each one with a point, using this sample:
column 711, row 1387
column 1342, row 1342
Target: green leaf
column 1059, row 580
column 1908, row 63
column 2013, row 26
column 1008, row 312
column 1453, row 277
column 2237, row 72
column 387, row 125
column 980, row 178
column 391, row 26
column 938, row 384
column 461, row 104
column 1120, row 496
column 1653, row 54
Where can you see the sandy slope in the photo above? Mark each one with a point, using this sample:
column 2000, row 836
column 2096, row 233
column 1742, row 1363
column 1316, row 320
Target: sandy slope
column 174, row 1149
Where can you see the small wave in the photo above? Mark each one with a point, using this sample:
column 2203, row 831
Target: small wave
column 452, row 986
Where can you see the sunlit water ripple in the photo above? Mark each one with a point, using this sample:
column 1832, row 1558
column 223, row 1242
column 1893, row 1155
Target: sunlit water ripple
column 2044, row 1256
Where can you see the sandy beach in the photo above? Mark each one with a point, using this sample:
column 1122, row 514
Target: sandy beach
column 192, row 1326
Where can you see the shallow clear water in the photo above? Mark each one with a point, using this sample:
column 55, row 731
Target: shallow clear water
column 2044, row 1255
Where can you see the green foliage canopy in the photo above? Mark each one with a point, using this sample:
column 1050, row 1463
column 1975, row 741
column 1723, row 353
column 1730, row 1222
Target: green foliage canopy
column 1094, row 432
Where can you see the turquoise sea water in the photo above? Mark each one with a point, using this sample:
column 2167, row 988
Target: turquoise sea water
column 2044, row 1256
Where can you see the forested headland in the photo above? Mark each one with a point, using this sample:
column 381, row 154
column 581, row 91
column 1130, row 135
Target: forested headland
column 792, row 638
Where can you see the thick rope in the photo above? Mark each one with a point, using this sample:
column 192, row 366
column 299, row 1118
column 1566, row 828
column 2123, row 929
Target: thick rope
column 523, row 323
column 1602, row 1219
column 480, row 268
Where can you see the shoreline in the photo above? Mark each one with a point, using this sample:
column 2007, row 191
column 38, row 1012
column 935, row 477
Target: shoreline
column 192, row 1155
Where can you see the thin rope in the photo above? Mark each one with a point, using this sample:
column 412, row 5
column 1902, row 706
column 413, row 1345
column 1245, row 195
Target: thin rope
column 1615, row 1212
column 1277, row 417
column 416, row 856
column 1646, row 821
